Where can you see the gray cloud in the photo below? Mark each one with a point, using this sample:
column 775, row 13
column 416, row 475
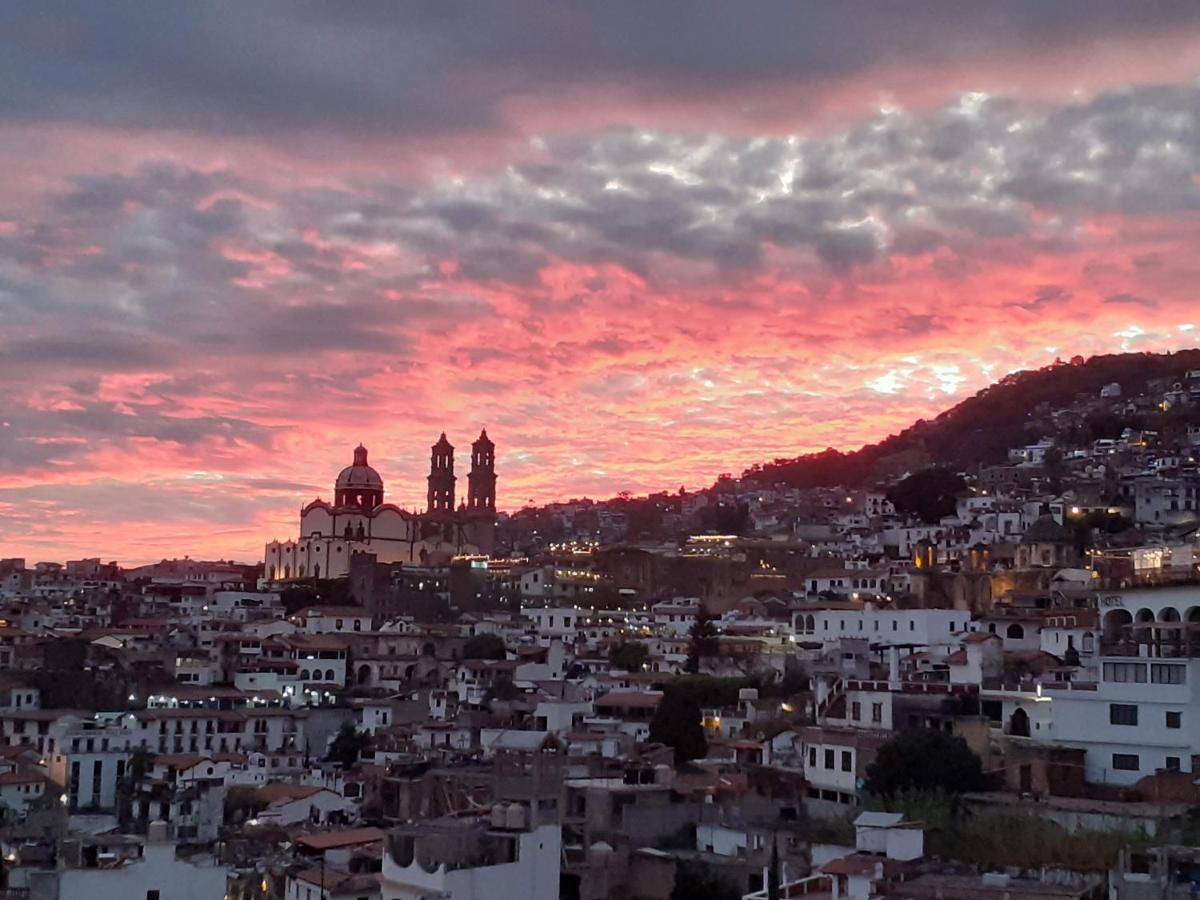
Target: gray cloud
column 206, row 274
column 437, row 66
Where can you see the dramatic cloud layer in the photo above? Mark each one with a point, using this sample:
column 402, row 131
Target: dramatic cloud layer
column 641, row 247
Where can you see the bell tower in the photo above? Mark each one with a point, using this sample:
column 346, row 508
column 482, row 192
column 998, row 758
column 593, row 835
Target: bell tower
column 441, row 477
column 481, row 482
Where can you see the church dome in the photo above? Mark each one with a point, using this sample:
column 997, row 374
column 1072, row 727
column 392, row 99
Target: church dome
column 359, row 476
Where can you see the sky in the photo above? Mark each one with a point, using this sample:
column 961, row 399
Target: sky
column 641, row 243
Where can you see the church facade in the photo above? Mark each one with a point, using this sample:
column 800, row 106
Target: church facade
column 360, row 521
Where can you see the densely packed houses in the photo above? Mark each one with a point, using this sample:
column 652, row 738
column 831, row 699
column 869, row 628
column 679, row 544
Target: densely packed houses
column 462, row 709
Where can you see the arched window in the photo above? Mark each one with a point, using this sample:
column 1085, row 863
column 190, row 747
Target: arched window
column 287, row 572
column 1015, row 632
column 1018, row 723
column 1115, row 621
column 300, row 570
column 329, row 676
column 304, row 674
column 317, row 570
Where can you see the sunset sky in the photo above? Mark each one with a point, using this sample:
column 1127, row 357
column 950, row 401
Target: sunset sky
column 642, row 243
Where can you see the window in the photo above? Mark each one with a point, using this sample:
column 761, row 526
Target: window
column 1125, row 673
column 829, row 764
column 856, row 711
column 1172, row 763
column 846, row 761
column 1126, row 762
column 152, row 895
column 812, row 756
column 1174, row 719
column 1165, row 673
column 1122, row 714
column 876, row 712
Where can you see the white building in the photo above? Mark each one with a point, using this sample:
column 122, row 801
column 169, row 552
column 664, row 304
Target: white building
column 557, row 622
column 334, row 619
column 130, row 868
column 514, row 854
column 1140, row 714
column 359, row 520
column 1166, row 501
column 86, row 760
column 463, row 860
column 925, row 627
column 675, row 616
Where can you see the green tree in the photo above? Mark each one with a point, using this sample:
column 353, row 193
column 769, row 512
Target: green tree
column 676, row 723
column 503, row 690
column 698, row 881
column 348, row 746
column 929, row 494
column 924, row 759
column 629, row 655
column 702, row 640
column 484, row 646
column 1055, row 466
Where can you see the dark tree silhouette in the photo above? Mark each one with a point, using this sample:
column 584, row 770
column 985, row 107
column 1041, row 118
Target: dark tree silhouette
column 629, row 655
column 484, row 646
column 676, row 723
column 929, row 494
column 699, row 881
column 702, row 640
column 348, row 746
column 925, row 759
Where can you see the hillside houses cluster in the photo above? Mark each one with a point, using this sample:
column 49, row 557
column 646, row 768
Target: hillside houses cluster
column 493, row 727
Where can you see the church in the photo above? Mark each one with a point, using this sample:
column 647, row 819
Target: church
column 359, row 521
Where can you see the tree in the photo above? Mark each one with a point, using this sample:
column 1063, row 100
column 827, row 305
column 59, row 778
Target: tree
column 676, row 723
column 1054, row 464
column 348, row 746
column 631, row 656
column 795, row 678
column 702, row 640
column 503, row 690
column 698, row 881
column 773, row 884
column 930, row 494
column 924, row 759
column 484, row 646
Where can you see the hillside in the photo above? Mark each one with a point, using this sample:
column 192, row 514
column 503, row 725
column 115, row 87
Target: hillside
column 982, row 428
